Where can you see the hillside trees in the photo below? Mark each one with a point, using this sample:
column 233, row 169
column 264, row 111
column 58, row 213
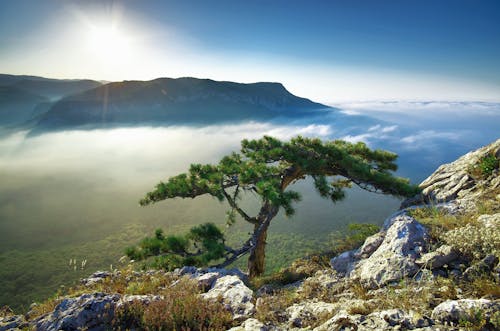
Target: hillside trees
column 267, row 167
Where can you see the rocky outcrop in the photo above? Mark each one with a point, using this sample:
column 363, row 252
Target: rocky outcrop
column 93, row 312
column 252, row 324
column 206, row 277
column 438, row 258
column 455, row 311
column 235, row 295
column 387, row 256
column 307, row 311
column 460, row 180
column 95, row 278
column 13, row 322
column 392, row 319
column 395, row 258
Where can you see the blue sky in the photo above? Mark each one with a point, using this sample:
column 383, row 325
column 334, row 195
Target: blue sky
column 326, row 50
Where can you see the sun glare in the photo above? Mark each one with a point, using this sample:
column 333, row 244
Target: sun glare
column 108, row 42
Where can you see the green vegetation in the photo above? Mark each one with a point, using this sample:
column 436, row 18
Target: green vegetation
column 266, row 167
column 484, row 167
column 463, row 232
column 354, row 237
column 33, row 276
column 201, row 245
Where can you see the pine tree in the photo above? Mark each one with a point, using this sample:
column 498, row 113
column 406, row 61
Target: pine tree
column 268, row 166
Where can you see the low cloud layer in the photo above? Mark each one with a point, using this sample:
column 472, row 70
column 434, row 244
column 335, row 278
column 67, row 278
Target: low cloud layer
column 125, row 151
column 423, row 107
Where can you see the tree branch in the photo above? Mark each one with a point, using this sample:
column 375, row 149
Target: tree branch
column 250, row 243
column 240, row 211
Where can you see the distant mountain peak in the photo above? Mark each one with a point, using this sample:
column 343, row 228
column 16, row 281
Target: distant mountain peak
column 167, row 101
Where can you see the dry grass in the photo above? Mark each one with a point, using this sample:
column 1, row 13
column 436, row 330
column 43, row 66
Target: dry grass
column 362, row 308
column 43, row 308
column 179, row 309
column 271, row 308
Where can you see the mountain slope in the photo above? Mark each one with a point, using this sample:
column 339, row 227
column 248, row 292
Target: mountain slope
column 17, row 105
column 48, row 87
column 23, row 98
column 174, row 101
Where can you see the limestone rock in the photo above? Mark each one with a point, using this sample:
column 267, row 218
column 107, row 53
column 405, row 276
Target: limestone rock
column 96, row 277
column 341, row 321
column 252, row 324
column 371, row 244
column 480, row 268
column 441, row 256
column 207, row 280
column 454, row 181
column 404, row 242
column 464, row 310
column 343, row 263
column 392, row 319
column 92, row 312
column 206, row 277
column 235, row 295
column 308, row 310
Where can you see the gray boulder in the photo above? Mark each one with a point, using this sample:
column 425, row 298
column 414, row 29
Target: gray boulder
column 441, row 256
column 371, row 244
column 343, row 263
column 236, row 296
column 455, row 311
column 92, row 312
column 404, row 242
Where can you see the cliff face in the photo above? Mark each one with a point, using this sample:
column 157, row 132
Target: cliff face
column 434, row 265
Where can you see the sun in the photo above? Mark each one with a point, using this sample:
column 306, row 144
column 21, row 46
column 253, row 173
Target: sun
column 107, row 42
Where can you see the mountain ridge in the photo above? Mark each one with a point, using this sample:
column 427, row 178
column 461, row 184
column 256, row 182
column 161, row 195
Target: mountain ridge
column 168, row 101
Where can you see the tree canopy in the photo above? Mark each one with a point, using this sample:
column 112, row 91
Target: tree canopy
column 268, row 166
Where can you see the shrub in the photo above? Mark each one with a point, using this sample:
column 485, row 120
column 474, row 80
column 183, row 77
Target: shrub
column 202, row 244
column 179, row 309
column 484, row 167
column 271, row 308
column 475, row 241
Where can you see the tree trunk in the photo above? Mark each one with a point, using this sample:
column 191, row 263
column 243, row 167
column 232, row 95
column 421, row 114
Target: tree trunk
column 256, row 260
column 258, row 251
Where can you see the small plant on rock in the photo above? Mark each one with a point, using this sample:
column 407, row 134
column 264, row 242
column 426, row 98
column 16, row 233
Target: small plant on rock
column 485, row 167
